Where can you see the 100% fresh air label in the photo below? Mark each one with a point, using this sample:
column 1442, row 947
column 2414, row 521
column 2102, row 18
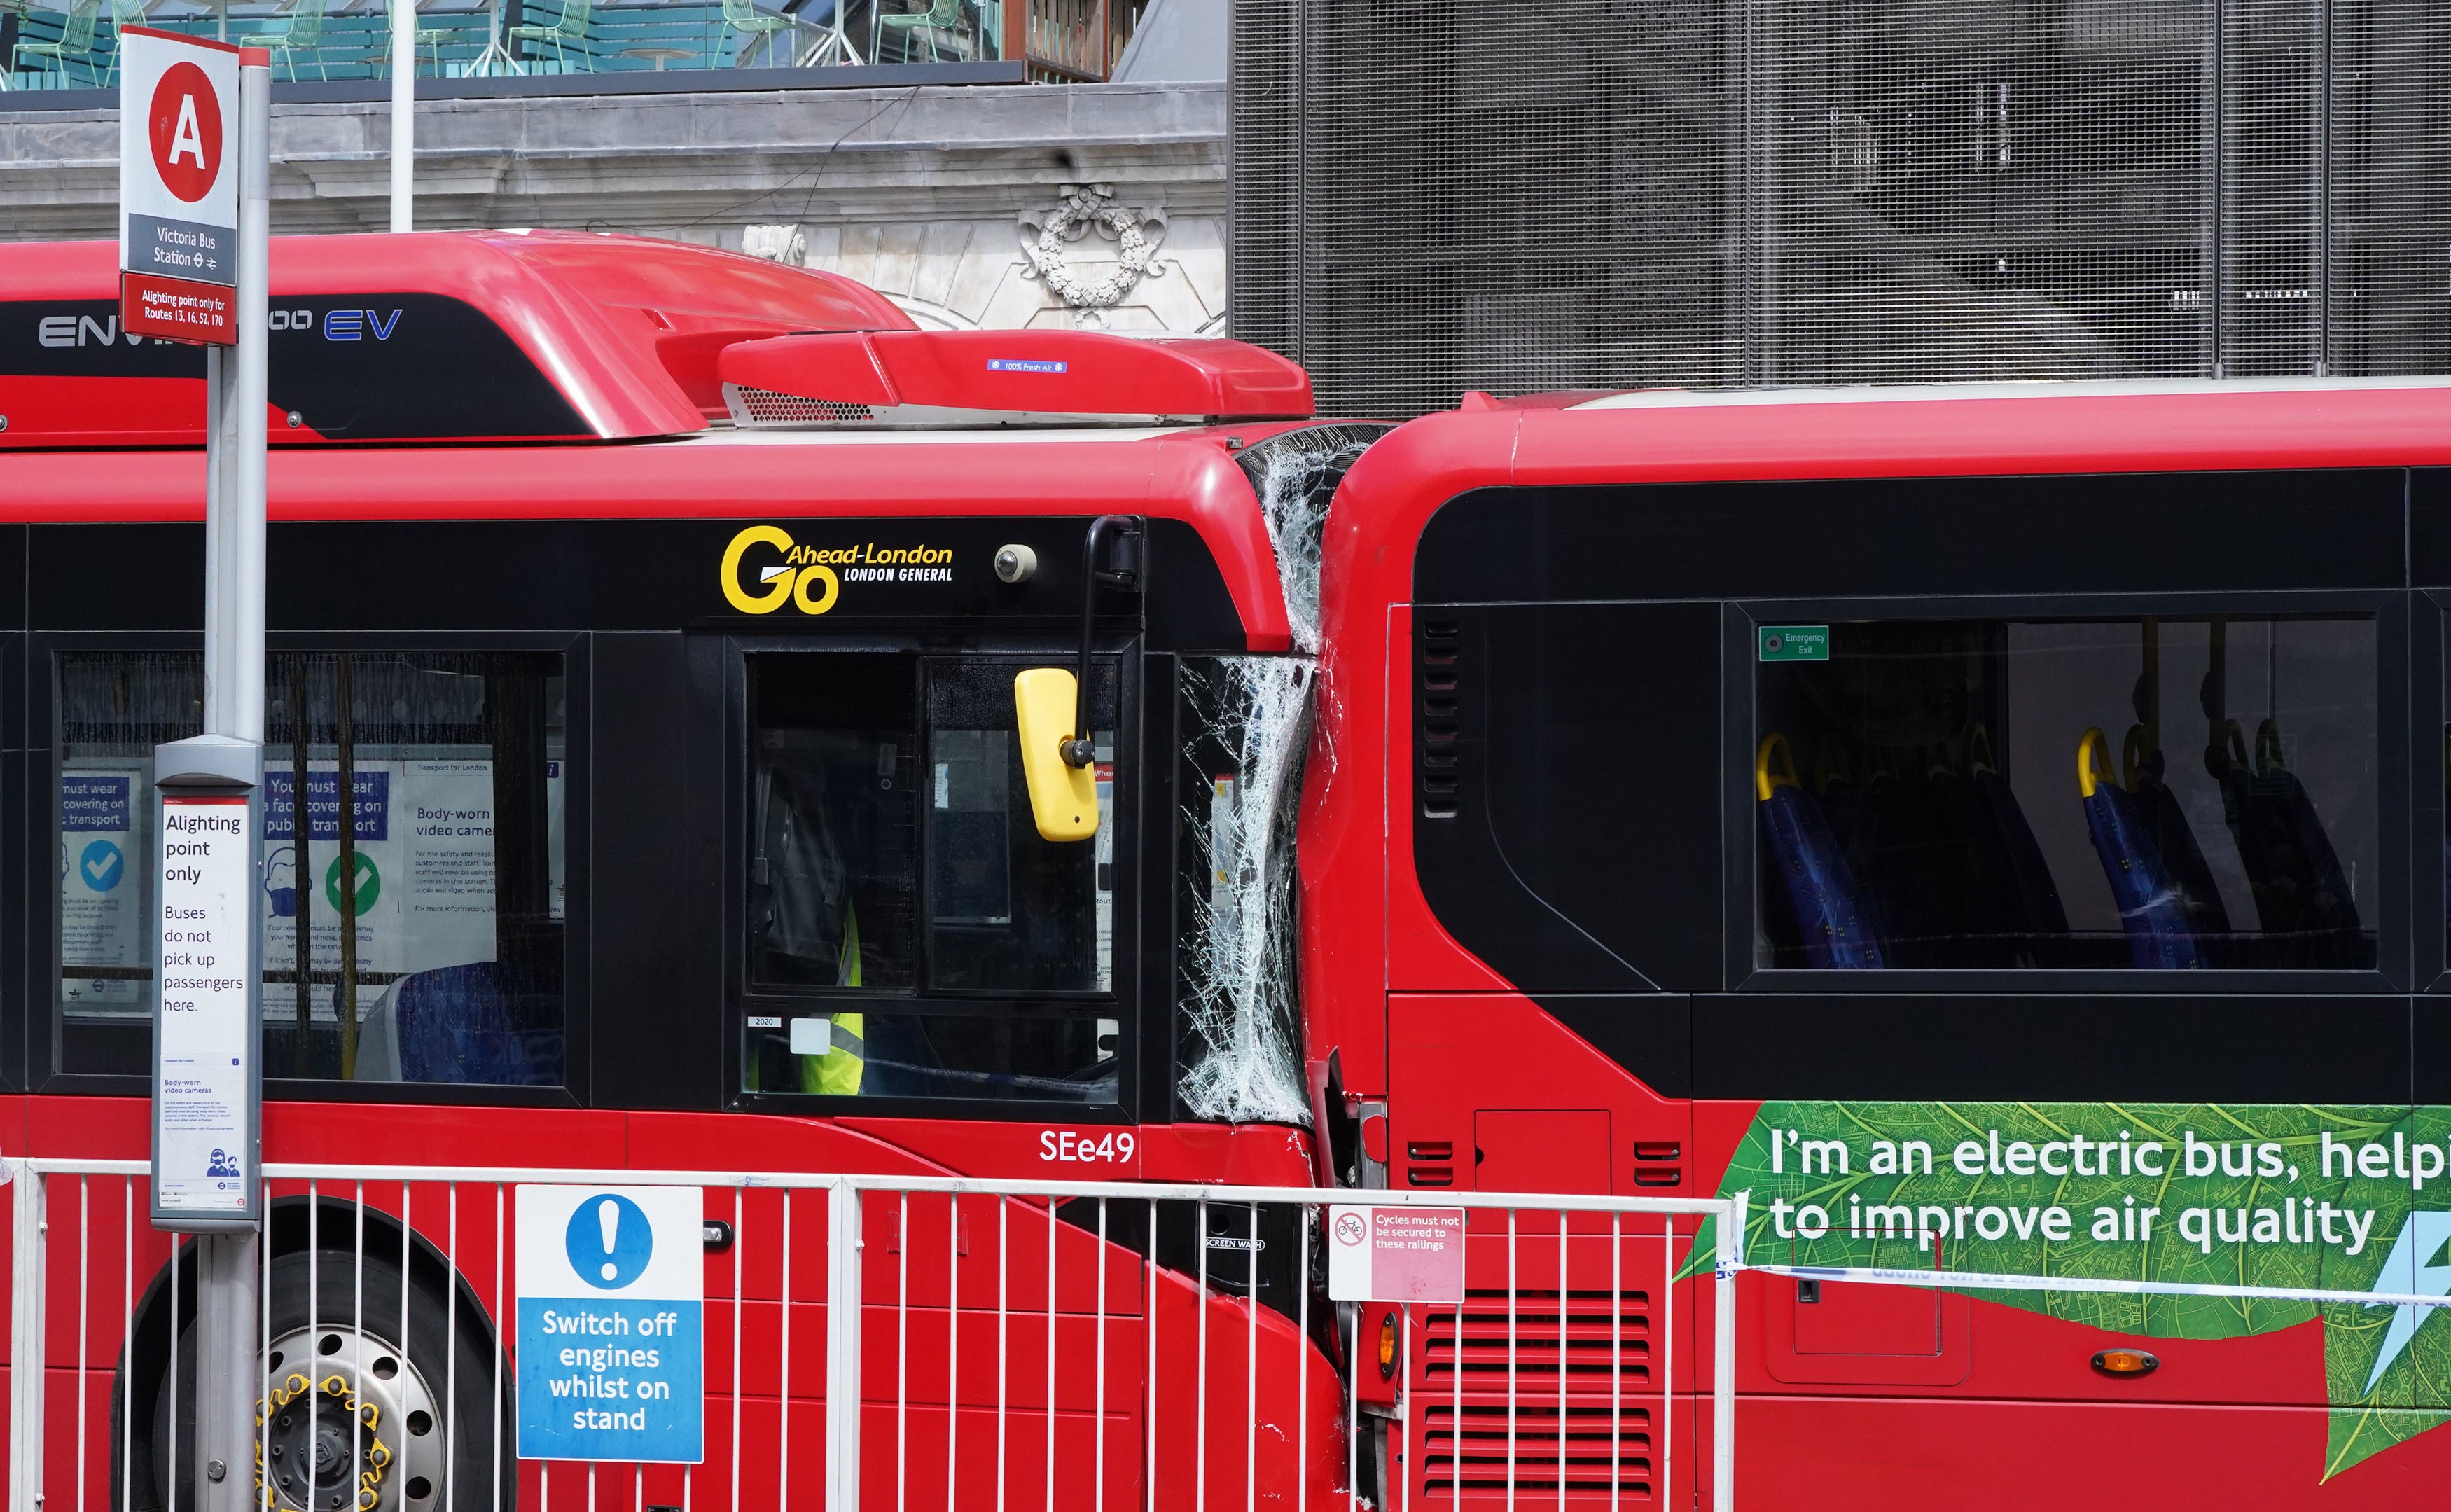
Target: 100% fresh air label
column 612, row 1302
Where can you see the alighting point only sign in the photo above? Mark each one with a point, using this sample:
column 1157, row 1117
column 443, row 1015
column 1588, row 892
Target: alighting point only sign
column 178, row 186
column 205, row 1032
column 612, row 1302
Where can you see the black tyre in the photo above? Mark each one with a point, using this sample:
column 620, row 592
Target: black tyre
column 412, row 1429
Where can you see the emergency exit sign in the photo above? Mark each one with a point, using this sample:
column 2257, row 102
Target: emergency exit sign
column 1795, row 642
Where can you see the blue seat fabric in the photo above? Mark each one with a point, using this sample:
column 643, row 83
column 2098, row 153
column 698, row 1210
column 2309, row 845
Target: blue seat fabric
column 486, row 1024
column 1820, row 889
column 2151, row 908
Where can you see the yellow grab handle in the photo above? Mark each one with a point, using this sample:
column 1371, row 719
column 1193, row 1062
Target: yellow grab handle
column 2092, row 761
column 1773, row 746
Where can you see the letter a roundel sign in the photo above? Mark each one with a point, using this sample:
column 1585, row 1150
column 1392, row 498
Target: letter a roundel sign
column 184, row 124
column 178, row 186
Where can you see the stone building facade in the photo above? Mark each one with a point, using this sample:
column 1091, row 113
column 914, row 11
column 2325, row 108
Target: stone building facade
column 1100, row 205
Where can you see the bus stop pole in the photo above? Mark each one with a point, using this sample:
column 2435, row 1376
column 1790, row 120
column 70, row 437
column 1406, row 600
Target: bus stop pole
column 228, row 1260
column 403, row 115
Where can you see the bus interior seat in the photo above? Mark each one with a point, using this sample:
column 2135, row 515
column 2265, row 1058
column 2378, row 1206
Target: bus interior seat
column 2151, row 909
column 1848, row 813
column 2034, row 896
column 476, row 1024
column 2182, row 858
column 1903, row 863
column 2301, row 895
column 2008, row 907
column 1820, row 889
column 1947, row 870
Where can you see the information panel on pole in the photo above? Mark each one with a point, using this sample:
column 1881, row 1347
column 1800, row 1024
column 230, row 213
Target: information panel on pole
column 204, row 1066
column 178, row 186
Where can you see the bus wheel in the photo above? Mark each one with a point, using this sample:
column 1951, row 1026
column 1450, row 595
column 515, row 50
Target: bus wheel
column 355, row 1421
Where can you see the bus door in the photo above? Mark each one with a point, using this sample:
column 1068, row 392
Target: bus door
column 909, row 939
column 910, row 946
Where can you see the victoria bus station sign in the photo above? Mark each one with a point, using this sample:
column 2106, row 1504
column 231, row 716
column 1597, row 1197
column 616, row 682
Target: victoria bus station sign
column 2314, row 1197
column 178, row 186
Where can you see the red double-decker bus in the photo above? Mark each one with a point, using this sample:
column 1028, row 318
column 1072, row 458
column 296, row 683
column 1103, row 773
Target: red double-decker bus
column 1990, row 830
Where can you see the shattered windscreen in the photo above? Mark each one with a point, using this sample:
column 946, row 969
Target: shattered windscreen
column 1246, row 725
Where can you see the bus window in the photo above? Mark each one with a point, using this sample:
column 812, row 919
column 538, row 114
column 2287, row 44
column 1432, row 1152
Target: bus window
column 910, row 934
column 1008, row 910
column 833, row 874
column 441, row 927
column 2157, row 793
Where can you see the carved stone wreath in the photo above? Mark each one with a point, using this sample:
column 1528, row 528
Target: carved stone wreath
column 1136, row 232
column 785, row 243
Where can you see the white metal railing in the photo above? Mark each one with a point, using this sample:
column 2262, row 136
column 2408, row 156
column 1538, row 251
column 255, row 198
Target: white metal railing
column 1081, row 1324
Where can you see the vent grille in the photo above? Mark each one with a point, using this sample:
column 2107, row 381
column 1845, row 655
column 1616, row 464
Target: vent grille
column 1440, row 1172
column 1653, row 1163
column 1589, row 1452
column 1440, row 713
column 1579, row 1341
column 1555, row 194
column 763, row 407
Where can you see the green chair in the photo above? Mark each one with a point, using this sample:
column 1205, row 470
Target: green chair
column 431, row 39
column 940, row 17
column 76, row 42
column 755, row 25
column 305, row 33
column 124, row 14
column 569, row 31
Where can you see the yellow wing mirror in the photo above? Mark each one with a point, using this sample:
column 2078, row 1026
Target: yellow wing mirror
column 1062, row 797
column 1058, row 755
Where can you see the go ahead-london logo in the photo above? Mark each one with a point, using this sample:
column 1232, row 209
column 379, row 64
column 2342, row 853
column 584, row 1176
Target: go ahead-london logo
column 2313, row 1198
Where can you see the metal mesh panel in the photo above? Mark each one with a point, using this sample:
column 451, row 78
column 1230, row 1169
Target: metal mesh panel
column 1437, row 195
column 1950, row 191
column 2388, row 231
column 763, row 407
column 1263, row 277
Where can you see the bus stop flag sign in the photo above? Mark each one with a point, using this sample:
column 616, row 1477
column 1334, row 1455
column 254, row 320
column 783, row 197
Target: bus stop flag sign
column 612, row 1296
column 178, row 186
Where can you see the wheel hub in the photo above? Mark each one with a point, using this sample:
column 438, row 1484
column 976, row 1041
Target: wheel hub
column 349, row 1425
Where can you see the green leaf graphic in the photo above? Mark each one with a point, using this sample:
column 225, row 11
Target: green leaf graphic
column 2358, row 1433
column 2258, row 1195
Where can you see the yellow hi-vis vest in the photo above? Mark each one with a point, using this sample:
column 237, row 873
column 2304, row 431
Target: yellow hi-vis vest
column 837, row 1072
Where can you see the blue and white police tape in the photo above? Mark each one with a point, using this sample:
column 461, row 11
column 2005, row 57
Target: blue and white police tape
column 1987, row 1281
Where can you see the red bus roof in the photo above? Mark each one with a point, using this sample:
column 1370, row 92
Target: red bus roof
column 571, row 336
column 1902, row 432
column 622, row 333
